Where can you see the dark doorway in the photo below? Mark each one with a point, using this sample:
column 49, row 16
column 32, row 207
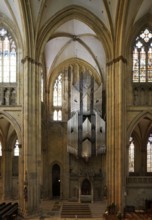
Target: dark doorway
column 56, row 180
column 86, row 187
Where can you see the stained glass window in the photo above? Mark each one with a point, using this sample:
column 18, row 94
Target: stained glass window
column 7, row 57
column 57, row 99
column 131, row 155
column 142, row 57
column 149, row 154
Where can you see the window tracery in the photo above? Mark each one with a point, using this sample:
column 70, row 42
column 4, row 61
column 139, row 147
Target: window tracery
column 142, row 57
column 7, row 57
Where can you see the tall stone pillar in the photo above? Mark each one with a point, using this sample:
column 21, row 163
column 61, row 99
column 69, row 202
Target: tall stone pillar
column 115, row 132
column 109, row 137
column 45, row 174
column 143, row 163
column 7, row 174
column 32, row 136
column 66, row 175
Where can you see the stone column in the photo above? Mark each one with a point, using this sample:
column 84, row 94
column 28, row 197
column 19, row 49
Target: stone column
column 143, row 163
column 115, row 131
column 70, row 73
column 45, row 174
column 21, row 179
column 110, row 137
column 92, row 190
column 79, row 190
column 1, row 96
column 32, row 136
column 66, row 175
column 7, row 173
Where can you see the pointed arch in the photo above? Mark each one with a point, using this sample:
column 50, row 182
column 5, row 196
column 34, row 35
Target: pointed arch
column 143, row 22
column 14, row 123
column 136, row 120
column 70, row 63
column 86, row 187
column 14, row 31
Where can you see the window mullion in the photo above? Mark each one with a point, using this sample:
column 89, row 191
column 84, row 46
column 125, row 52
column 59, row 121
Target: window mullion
column 9, row 61
column 3, row 60
column 139, row 64
column 143, row 56
column 146, row 50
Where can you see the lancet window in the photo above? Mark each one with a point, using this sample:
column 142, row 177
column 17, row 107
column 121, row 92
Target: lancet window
column 57, row 99
column 16, row 148
column 131, row 155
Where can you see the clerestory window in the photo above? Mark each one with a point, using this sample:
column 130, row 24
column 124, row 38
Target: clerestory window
column 7, row 57
column 142, row 57
column 57, row 99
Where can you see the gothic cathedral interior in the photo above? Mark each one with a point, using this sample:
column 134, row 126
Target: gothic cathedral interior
column 75, row 101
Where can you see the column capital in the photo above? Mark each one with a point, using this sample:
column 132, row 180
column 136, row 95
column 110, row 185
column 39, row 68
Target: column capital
column 117, row 59
column 31, row 60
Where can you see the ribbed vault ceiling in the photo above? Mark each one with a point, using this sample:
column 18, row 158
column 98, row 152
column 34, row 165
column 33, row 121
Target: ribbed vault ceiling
column 74, row 38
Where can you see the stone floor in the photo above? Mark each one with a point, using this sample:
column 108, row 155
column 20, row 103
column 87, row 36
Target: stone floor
column 52, row 210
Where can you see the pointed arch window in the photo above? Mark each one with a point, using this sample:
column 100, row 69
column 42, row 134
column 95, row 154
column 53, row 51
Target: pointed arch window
column 7, row 57
column 142, row 57
column 55, row 115
column 149, row 154
column 59, row 115
column 16, row 148
column 131, row 155
column 57, row 91
column 57, row 98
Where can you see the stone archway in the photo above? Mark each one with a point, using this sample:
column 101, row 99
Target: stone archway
column 56, row 181
column 86, row 187
column 9, row 161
